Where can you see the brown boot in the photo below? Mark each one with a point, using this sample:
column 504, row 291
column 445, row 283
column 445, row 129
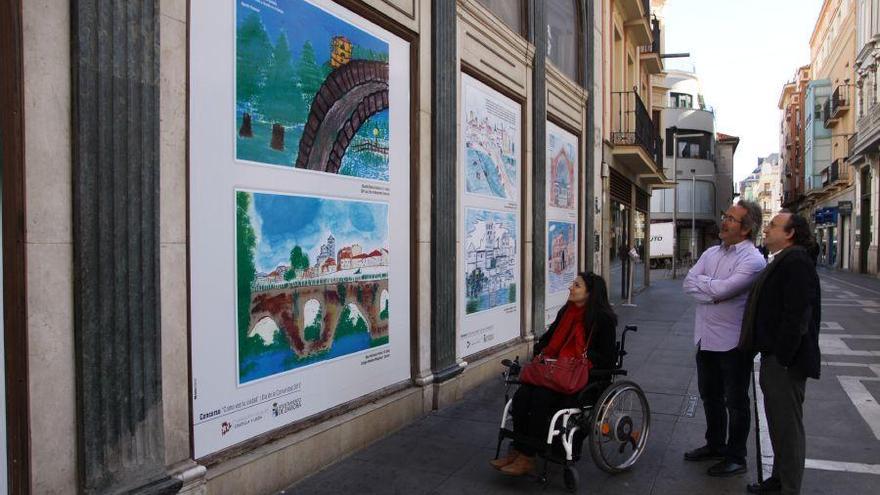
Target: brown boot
column 504, row 461
column 522, row 465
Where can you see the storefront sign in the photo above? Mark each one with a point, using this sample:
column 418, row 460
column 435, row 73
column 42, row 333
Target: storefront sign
column 845, row 207
column 299, row 274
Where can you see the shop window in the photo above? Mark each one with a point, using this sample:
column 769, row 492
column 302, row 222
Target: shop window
column 509, row 11
column 563, row 37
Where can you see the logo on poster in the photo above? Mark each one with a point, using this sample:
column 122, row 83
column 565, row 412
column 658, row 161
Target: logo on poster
column 225, row 427
column 286, row 407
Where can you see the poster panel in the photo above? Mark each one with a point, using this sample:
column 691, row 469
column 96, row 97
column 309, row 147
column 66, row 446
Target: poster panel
column 299, row 275
column 489, row 215
column 562, row 187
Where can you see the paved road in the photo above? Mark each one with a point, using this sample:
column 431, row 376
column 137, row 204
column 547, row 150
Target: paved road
column 447, row 452
column 841, row 411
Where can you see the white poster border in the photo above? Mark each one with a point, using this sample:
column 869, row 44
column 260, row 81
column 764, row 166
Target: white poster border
column 553, row 301
column 489, row 328
column 224, row 414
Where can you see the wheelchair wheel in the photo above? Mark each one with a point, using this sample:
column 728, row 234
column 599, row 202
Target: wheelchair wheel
column 620, row 425
column 571, row 478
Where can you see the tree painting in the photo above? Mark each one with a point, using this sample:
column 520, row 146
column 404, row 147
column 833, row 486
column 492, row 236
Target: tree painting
column 285, row 56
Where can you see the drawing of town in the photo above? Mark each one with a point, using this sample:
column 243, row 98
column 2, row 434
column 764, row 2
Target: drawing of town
column 491, row 130
column 490, row 259
column 561, row 171
column 561, row 257
column 287, row 55
column 312, row 277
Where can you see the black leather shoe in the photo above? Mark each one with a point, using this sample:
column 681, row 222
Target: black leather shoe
column 770, row 485
column 704, row 453
column 727, row 468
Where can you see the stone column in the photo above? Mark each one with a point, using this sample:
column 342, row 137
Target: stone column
column 538, row 34
column 115, row 60
column 444, row 148
column 587, row 21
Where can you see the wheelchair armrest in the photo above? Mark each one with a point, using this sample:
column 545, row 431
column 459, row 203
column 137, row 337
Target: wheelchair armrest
column 598, row 373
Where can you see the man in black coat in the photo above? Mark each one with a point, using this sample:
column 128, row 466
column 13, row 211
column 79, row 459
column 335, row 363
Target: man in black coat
column 781, row 322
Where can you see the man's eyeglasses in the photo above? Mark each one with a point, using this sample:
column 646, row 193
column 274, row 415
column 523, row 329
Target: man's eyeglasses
column 728, row 218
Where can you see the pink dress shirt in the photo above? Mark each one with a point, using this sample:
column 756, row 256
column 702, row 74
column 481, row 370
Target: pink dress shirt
column 720, row 283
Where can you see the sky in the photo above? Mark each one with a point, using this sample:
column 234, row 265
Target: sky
column 284, row 221
column 744, row 51
column 301, row 21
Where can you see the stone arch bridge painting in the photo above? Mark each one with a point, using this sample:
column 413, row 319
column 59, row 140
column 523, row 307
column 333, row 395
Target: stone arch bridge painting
column 312, row 280
column 311, row 90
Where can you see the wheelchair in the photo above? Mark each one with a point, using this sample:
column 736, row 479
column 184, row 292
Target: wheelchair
column 617, row 424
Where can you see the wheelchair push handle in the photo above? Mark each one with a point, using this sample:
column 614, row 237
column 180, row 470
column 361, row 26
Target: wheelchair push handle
column 621, row 351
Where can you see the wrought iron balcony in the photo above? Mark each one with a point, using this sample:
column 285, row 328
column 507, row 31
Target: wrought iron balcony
column 650, row 53
column 836, row 105
column 632, row 127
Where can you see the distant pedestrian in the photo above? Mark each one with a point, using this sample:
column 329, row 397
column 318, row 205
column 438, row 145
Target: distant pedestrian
column 720, row 282
column 782, row 323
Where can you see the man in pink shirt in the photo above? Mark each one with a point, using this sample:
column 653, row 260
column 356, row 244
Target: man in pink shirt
column 720, row 282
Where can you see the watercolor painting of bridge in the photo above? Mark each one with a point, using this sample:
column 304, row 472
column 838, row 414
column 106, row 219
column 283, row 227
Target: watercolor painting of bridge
column 491, row 153
column 490, row 259
column 311, row 90
column 312, row 280
column 561, row 257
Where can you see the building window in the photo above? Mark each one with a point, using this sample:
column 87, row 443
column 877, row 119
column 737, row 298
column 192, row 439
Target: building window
column 563, row 37
column 509, row 11
column 691, row 147
column 681, row 100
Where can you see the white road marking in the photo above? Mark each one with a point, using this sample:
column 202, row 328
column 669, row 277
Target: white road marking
column 830, row 325
column 846, row 467
column 850, row 284
column 763, row 431
column 871, row 310
column 859, row 395
column 818, row 464
column 835, row 346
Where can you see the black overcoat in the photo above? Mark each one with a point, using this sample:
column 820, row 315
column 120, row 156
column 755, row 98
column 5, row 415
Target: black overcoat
column 788, row 313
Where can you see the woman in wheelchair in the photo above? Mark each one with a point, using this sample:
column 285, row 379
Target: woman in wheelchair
column 586, row 312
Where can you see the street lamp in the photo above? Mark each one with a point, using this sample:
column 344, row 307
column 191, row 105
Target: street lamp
column 675, row 136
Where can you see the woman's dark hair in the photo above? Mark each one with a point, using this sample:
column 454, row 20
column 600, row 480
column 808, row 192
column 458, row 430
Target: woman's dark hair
column 597, row 302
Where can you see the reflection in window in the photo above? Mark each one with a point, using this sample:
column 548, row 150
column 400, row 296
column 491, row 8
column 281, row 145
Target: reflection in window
column 563, row 36
column 681, row 100
column 691, row 147
column 509, row 11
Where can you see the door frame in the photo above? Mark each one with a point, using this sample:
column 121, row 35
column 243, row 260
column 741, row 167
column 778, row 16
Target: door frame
column 13, row 248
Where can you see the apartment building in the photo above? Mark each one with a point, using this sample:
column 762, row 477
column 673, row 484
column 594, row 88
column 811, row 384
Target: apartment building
column 791, row 138
column 865, row 146
column 704, row 178
column 829, row 125
column 632, row 151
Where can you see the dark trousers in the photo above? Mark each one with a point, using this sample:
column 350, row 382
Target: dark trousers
column 533, row 408
column 723, row 379
column 783, row 390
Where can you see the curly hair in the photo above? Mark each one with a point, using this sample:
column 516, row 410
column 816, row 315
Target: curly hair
column 752, row 219
column 803, row 236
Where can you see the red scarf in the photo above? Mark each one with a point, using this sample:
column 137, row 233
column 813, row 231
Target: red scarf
column 569, row 338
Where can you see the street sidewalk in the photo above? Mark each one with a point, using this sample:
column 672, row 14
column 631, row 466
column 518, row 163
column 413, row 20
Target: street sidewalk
column 447, row 452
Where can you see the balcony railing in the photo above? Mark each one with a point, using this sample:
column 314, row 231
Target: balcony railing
column 654, row 47
column 836, row 173
column 633, row 125
column 836, row 105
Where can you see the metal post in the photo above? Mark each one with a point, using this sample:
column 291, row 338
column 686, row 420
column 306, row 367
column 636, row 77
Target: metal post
column 693, row 213
column 674, row 198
